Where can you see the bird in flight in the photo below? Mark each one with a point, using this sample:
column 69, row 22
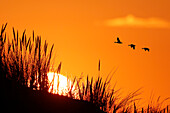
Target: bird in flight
column 132, row 46
column 118, row 41
column 146, row 49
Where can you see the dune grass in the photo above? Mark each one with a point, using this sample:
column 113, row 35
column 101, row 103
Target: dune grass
column 26, row 62
column 105, row 97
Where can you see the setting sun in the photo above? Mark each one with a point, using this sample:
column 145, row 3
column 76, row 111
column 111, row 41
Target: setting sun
column 62, row 86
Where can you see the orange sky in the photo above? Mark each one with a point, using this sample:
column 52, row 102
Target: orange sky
column 84, row 31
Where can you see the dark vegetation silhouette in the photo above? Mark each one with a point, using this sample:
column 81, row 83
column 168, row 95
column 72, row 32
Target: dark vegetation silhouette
column 132, row 46
column 24, row 85
column 26, row 61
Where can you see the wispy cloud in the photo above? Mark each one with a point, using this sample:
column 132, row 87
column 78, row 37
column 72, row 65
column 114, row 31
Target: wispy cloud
column 132, row 21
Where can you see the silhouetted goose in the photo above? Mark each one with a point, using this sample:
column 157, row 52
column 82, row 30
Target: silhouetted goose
column 118, row 41
column 132, row 46
column 146, row 49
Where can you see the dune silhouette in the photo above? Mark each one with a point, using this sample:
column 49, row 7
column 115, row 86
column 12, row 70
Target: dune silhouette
column 24, row 83
column 26, row 100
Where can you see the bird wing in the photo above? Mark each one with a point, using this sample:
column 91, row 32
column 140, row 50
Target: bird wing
column 144, row 49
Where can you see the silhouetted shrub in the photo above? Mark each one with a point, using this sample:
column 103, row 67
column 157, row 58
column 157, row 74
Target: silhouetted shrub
column 25, row 60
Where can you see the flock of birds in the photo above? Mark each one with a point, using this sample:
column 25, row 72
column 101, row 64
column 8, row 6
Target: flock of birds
column 131, row 45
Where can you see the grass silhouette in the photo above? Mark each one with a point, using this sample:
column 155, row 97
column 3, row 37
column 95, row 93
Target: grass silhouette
column 24, row 84
column 24, row 64
column 26, row 61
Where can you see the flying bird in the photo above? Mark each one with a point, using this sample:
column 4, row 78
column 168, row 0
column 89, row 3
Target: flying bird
column 118, row 41
column 146, row 49
column 132, row 46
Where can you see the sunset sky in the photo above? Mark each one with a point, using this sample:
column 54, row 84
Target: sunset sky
column 84, row 31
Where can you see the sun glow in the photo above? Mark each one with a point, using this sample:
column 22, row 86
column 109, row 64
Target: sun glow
column 59, row 83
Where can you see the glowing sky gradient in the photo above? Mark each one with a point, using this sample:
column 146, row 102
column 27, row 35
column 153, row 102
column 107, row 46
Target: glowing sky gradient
column 84, row 31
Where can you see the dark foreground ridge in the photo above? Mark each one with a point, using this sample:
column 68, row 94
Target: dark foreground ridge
column 25, row 100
